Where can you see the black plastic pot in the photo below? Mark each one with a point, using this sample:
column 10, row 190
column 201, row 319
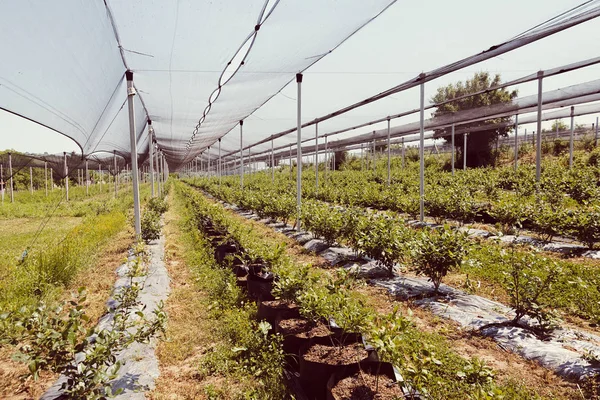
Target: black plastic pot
column 272, row 313
column 315, row 375
column 242, row 281
column 240, row 270
column 223, row 250
column 260, row 286
column 371, row 367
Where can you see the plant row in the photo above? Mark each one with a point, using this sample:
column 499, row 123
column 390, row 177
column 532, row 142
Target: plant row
column 324, row 323
column 544, row 284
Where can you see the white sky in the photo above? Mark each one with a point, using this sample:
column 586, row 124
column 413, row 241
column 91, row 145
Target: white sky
column 410, row 37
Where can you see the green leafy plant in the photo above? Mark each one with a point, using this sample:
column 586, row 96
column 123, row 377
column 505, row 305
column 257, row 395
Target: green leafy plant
column 437, row 251
column 150, row 226
column 527, row 281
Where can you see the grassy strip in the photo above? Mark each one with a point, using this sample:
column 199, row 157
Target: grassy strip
column 237, row 359
column 52, row 264
column 425, row 359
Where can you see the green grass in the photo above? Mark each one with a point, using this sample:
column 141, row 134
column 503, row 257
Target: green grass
column 71, row 241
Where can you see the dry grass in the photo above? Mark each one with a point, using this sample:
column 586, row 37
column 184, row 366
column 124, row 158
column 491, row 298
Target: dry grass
column 189, row 327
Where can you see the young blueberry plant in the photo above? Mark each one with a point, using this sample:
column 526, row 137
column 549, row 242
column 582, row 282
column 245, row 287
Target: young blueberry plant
column 437, row 251
column 528, row 280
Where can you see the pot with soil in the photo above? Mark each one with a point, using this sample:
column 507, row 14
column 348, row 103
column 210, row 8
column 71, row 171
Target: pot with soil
column 298, row 333
column 318, row 362
column 366, row 381
column 260, row 285
column 239, row 269
column 274, row 310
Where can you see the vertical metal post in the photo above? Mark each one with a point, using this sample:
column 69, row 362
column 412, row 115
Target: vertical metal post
column 46, row 177
column 272, row 163
column 99, row 176
column 151, row 147
column 134, row 160
column 241, row 155
column 516, row 141
column 403, row 152
column 316, row 158
column 291, row 166
column 208, row 160
column 2, row 184
column 571, row 137
column 10, row 171
column 538, row 158
column 299, row 152
column 596, row 134
column 422, row 153
column 220, row 165
column 115, row 170
column 51, row 180
column 362, row 156
column 389, row 154
column 12, row 194
column 373, row 158
column 31, row 180
column 66, row 175
column 157, row 165
column 452, row 150
column 465, row 151
column 326, row 162
column 87, row 178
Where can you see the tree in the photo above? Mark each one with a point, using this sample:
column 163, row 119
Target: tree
column 479, row 146
column 561, row 126
column 340, row 158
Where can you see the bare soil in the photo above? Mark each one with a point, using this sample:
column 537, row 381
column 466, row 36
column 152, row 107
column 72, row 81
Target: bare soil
column 336, row 355
column 302, row 328
column 364, row 386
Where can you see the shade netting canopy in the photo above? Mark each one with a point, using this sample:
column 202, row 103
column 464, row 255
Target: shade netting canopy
column 199, row 66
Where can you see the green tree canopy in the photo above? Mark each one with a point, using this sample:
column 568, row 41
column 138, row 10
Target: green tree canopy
column 479, row 146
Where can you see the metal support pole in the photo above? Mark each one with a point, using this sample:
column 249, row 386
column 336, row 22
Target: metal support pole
column 299, row 152
column 291, row 167
column 453, row 149
column 596, row 134
column 362, row 156
column 538, row 158
column 516, row 141
column 422, row 153
column 389, row 154
column 571, row 137
column 151, row 139
column 87, row 178
column 46, row 177
column 208, row 160
column 134, row 161
column 157, row 165
column 100, row 175
column 272, row 163
column 465, row 151
column 2, row 184
column 403, row 152
column 219, row 166
column 31, row 180
column 326, row 162
column 316, row 158
column 115, row 171
column 241, row 155
column 373, row 158
column 10, row 171
column 66, row 176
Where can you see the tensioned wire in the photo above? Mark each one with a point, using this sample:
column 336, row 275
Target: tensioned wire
column 563, row 21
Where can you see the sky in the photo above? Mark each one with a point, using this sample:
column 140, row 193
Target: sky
column 408, row 38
